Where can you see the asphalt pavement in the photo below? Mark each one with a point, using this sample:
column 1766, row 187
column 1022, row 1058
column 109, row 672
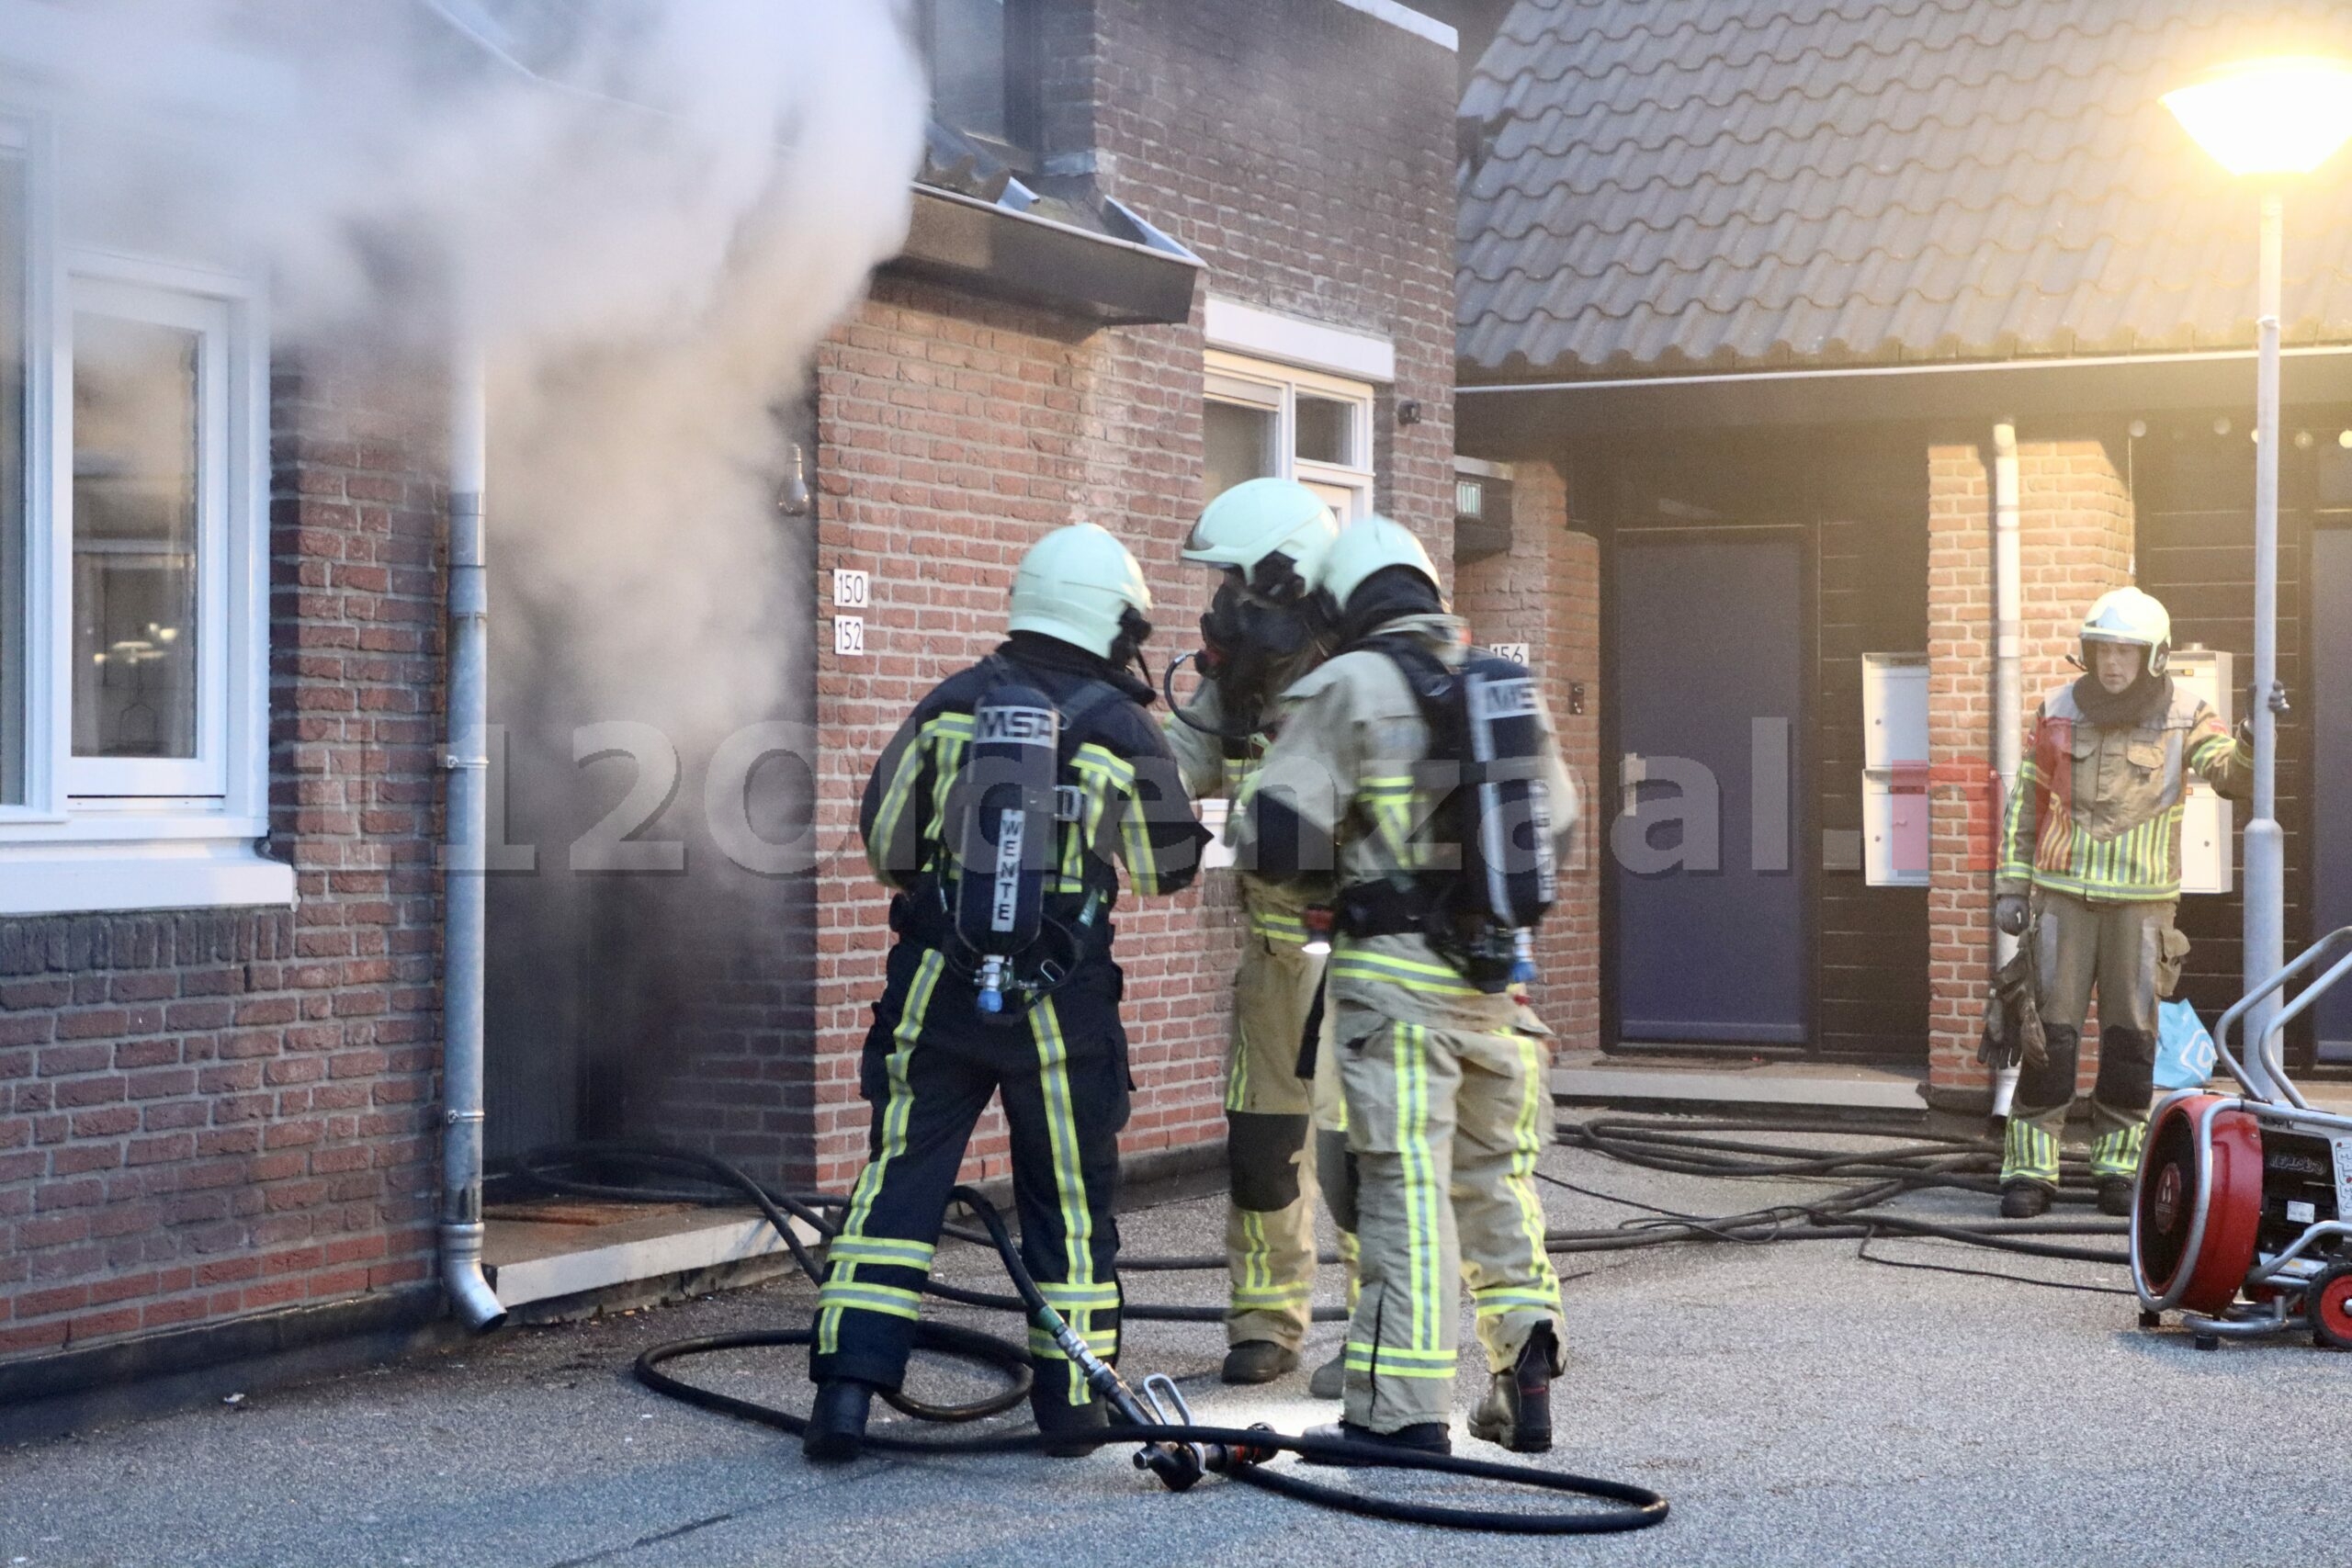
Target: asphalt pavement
column 1796, row 1403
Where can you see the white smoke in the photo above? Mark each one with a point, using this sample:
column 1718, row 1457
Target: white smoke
column 644, row 212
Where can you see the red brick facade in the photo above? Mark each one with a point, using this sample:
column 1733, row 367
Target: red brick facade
column 2076, row 541
column 1546, row 591
column 1305, row 151
column 212, row 1113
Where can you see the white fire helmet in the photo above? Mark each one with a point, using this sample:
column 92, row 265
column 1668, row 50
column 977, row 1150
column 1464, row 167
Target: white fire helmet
column 2128, row 616
column 1366, row 547
column 1080, row 585
column 1255, row 526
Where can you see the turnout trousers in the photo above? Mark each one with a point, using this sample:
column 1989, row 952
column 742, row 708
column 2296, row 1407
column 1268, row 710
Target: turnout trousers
column 1270, row 1250
column 1445, row 1127
column 931, row 1063
column 2079, row 945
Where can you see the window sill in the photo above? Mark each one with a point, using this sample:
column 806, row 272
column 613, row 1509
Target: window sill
column 59, row 878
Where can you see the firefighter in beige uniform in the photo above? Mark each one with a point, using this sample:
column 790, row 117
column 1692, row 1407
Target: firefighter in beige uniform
column 1447, row 1103
column 1266, row 537
column 2090, row 857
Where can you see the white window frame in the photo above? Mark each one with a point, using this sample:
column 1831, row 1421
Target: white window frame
column 1230, row 378
column 93, row 290
column 113, row 834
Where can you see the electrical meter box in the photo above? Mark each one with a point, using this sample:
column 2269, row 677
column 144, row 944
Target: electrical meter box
column 1895, row 770
column 2207, row 820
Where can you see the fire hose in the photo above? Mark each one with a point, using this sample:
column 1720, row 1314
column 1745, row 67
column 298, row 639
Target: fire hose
column 1179, row 1452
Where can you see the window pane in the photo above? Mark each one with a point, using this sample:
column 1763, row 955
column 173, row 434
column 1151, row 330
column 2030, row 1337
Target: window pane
column 1240, row 445
column 12, row 480
column 1327, row 430
column 966, row 51
column 135, row 413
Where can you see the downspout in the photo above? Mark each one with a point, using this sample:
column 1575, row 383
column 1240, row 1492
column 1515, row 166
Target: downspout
column 464, row 866
column 2008, row 717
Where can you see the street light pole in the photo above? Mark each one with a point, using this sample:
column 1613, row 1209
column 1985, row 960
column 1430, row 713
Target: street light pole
column 2265, row 847
column 2266, row 120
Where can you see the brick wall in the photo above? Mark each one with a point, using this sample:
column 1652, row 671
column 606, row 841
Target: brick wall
column 1304, row 150
column 2077, row 540
column 210, row 1113
column 1546, row 591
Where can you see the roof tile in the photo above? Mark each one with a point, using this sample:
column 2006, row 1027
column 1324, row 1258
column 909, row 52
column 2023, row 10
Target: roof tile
column 1742, row 183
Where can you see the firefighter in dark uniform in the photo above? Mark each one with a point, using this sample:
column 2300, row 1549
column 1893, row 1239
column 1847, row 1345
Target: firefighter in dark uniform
column 1052, row 1045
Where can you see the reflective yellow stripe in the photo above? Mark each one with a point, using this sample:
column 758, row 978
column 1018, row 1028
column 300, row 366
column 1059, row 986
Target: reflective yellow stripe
column 1388, row 1361
column 1270, row 1298
column 1081, row 1298
column 1408, row 1050
column 1104, row 1344
column 884, row 1250
column 1437, row 980
column 1527, row 1147
column 836, row 1296
column 1070, row 1177
column 1276, row 927
column 2029, row 1153
column 896, row 1111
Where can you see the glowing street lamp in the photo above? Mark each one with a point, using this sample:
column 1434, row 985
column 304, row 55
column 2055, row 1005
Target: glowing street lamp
column 2268, row 120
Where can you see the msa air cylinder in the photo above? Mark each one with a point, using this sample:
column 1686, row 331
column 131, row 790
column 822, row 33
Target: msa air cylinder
column 1004, row 831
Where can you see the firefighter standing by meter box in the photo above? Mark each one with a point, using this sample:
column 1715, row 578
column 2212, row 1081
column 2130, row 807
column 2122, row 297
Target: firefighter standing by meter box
column 995, row 814
column 1416, row 788
column 2090, row 863
column 1267, row 537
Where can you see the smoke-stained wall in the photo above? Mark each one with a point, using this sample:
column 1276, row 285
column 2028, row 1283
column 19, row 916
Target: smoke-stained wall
column 1305, row 151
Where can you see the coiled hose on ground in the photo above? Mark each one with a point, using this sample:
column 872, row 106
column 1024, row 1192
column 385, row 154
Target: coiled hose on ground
column 1916, row 1161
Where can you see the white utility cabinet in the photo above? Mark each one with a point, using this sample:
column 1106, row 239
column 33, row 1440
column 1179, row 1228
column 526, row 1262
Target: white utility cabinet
column 1895, row 770
column 2207, row 819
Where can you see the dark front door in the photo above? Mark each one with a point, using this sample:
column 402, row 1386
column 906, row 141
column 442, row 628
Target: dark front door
column 2331, row 727
column 1709, row 901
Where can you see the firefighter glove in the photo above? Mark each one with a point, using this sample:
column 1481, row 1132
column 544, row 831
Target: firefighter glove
column 2009, row 913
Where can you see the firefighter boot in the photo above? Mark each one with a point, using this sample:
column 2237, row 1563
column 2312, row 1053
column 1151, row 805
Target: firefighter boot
column 1258, row 1360
column 1072, row 1431
column 1517, row 1411
column 1330, row 1380
column 2024, row 1201
column 1421, row 1437
column 836, row 1430
column 2115, row 1196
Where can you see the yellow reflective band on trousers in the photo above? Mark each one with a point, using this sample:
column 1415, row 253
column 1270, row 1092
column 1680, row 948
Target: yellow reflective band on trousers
column 2028, row 1154
column 836, row 1295
column 1255, row 1288
column 1437, row 980
column 886, row 1250
column 1078, row 1284
column 2118, row 1153
column 895, row 1114
column 1389, row 1361
column 1275, row 926
column 1527, row 1147
column 1409, row 1044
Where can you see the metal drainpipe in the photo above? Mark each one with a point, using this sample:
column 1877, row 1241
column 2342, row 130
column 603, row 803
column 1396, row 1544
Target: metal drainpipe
column 2008, row 695
column 466, row 835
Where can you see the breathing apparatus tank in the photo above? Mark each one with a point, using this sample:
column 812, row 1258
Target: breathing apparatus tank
column 1507, row 848
column 1003, row 830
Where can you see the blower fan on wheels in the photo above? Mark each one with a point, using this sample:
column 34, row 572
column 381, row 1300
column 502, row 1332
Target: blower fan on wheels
column 2242, row 1218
